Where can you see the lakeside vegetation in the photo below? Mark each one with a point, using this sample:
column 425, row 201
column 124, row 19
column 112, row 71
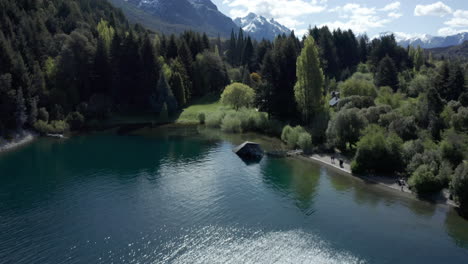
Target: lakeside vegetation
column 72, row 65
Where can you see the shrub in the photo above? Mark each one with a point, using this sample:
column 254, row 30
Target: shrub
column 55, row 127
column 424, row 180
column 305, row 142
column 355, row 86
column 201, row 118
column 372, row 114
column 214, row 119
column 388, row 97
column 238, row 95
column 459, row 185
column 290, row 135
column 378, row 151
column 75, row 120
column 232, row 124
column 356, row 101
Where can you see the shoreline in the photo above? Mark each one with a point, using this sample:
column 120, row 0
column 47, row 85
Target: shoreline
column 383, row 181
column 20, row 140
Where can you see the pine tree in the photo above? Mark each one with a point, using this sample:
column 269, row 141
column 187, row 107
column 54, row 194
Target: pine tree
column 172, row 48
column 387, row 74
column 232, row 49
column 239, row 47
column 309, row 87
column 441, row 82
column 248, row 54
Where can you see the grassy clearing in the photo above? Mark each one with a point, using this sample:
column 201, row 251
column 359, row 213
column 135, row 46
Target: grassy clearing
column 207, row 104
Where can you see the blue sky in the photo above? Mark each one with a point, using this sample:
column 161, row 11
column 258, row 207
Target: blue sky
column 409, row 17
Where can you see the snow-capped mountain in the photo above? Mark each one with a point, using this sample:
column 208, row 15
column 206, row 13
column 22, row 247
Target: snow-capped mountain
column 199, row 15
column 429, row 42
column 259, row 27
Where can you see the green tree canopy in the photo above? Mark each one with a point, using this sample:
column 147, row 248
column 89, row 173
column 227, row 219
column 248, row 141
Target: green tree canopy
column 238, row 95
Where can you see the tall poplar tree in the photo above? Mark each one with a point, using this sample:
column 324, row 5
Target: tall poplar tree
column 309, row 86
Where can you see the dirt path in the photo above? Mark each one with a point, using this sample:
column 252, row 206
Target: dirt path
column 389, row 182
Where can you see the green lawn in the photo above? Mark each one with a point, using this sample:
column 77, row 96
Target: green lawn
column 207, row 104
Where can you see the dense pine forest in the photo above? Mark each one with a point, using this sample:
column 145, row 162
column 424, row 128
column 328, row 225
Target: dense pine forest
column 68, row 65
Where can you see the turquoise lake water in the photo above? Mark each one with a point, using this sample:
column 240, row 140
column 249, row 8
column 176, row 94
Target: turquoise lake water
column 175, row 195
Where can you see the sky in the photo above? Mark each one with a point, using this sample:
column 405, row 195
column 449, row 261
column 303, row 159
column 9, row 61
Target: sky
column 408, row 18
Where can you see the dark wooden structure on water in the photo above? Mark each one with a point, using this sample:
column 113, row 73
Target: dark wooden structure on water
column 250, row 151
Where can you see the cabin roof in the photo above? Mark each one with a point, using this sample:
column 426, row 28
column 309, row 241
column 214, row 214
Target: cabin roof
column 245, row 144
column 334, row 101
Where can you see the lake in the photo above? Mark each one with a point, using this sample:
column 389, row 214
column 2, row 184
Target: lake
column 180, row 195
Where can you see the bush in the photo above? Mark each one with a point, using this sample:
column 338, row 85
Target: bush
column 459, row 185
column 214, row 119
column 290, row 135
column 424, row 180
column 201, row 118
column 305, row 142
column 388, row 97
column 430, row 158
column 356, row 101
column 359, row 87
column 75, row 120
column 231, row 123
column 378, row 151
column 55, row 127
column 238, row 95
column 372, row 114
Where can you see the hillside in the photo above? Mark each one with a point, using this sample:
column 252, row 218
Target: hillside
column 177, row 16
column 459, row 51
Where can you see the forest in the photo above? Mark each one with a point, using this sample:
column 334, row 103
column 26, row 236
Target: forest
column 68, row 65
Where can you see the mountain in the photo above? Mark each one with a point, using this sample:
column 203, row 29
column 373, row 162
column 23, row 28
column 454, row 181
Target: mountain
column 175, row 16
column 459, row 51
column 258, row 27
column 429, row 42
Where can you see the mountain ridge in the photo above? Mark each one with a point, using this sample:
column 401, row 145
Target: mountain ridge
column 176, row 16
column 427, row 41
column 259, row 27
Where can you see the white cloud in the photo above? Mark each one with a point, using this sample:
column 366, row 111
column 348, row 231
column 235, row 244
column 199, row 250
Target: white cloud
column 361, row 18
column 459, row 19
column 458, row 23
column 392, row 6
column 447, row 31
column 284, row 11
column 395, row 14
column 436, row 9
